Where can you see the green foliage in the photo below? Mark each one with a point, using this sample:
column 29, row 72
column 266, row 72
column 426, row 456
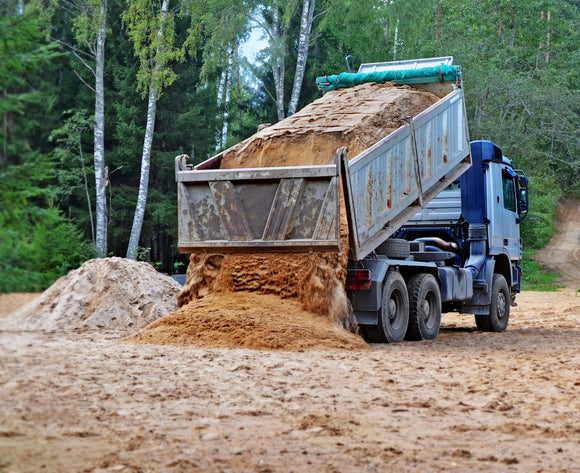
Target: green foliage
column 31, row 261
column 23, row 55
column 349, row 28
column 535, row 277
column 152, row 32
column 75, row 173
column 23, row 58
column 20, row 189
column 521, row 86
column 38, row 245
column 142, row 253
column 222, row 24
column 539, row 225
column 85, row 25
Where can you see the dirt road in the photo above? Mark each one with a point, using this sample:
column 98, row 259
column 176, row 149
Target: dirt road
column 467, row 401
column 562, row 254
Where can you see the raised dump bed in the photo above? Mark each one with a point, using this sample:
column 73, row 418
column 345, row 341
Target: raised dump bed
column 227, row 209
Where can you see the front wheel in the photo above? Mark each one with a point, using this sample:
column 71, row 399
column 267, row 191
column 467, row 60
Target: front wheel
column 499, row 309
column 424, row 308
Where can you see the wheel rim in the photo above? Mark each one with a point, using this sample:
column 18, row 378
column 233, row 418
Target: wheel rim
column 394, row 309
column 429, row 309
column 501, row 306
column 426, row 308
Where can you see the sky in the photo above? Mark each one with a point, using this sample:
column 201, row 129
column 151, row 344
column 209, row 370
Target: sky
column 254, row 45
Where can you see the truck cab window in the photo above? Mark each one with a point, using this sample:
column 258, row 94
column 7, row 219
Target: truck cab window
column 509, row 192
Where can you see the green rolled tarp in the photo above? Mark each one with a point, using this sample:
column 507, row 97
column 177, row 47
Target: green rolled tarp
column 442, row 73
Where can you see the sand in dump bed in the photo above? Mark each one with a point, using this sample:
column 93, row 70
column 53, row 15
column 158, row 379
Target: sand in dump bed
column 103, row 294
column 357, row 117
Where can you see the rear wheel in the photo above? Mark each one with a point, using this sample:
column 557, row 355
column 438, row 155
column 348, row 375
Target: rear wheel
column 394, row 313
column 424, row 308
column 499, row 310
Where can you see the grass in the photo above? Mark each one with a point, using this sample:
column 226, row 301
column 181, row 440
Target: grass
column 536, row 277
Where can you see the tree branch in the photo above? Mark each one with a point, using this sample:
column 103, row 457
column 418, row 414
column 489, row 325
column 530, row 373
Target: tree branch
column 84, row 82
column 322, row 13
column 84, row 63
column 77, row 53
column 264, row 28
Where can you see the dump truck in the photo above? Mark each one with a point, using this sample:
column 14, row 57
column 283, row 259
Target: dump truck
column 433, row 220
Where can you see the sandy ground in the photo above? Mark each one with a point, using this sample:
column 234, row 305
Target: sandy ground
column 468, row 401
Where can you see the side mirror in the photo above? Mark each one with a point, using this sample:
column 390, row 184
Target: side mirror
column 522, row 194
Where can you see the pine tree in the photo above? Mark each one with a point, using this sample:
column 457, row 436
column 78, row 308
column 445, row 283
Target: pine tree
column 38, row 244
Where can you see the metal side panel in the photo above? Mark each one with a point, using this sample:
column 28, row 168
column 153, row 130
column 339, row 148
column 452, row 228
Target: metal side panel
column 445, row 209
column 267, row 209
column 388, row 183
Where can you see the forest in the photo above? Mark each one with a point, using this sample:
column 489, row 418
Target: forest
column 99, row 96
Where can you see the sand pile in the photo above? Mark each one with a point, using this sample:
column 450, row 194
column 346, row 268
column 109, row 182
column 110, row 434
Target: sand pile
column 357, row 118
column 247, row 320
column 103, row 294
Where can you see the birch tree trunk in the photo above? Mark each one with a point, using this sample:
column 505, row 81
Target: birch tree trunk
column 278, row 62
column 146, row 155
column 144, row 179
column 396, row 40
column 303, row 44
column 90, row 37
column 238, row 85
column 387, row 35
column 220, row 97
column 99, row 134
column 227, row 100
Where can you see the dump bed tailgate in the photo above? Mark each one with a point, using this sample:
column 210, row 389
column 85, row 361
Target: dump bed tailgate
column 252, row 210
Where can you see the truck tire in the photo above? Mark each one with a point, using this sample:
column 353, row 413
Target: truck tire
column 394, row 313
column 424, row 308
column 499, row 310
column 395, row 248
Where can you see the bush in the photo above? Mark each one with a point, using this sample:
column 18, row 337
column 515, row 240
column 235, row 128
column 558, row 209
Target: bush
column 537, row 229
column 33, row 259
column 535, row 277
column 539, row 226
